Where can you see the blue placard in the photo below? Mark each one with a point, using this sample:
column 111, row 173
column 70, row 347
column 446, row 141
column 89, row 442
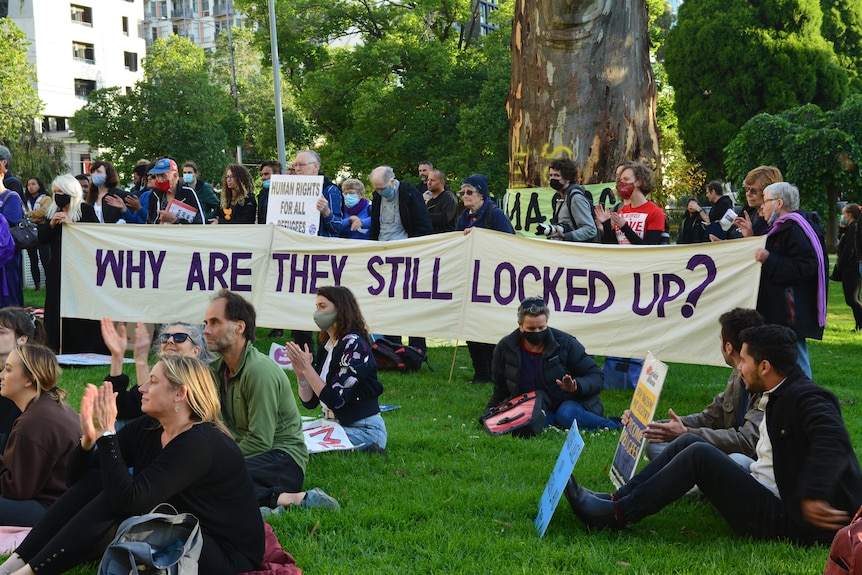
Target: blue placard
column 559, row 476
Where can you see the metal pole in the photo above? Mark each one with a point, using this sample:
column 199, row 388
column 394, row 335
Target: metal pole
column 233, row 75
column 276, row 80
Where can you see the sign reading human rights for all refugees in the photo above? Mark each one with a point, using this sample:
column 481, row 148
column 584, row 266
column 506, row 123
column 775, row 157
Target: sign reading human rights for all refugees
column 642, row 410
column 527, row 207
column 617, row 300
column 293, row 203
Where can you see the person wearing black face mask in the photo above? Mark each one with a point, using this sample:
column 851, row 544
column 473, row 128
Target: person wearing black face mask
column 69, row 208
column 552, row 363
column 572, row 220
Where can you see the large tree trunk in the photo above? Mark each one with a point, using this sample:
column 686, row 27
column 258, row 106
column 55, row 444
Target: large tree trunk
column 582, row 87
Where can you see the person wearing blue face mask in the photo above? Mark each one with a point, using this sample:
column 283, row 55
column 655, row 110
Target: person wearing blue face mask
column 267, row 170
column 105, row 182
column 206, row 194
column 397, row 212
column 357, row 210
column 555, row 365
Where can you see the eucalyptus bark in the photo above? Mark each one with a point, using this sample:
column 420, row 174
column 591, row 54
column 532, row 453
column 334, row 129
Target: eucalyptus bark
column 582, row 87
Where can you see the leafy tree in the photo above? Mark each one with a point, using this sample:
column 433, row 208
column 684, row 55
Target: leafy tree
column 19, row 103
column 175, row 110
column 256, row 96
column 842, row 25
column 731, row 59
column 395, row 83
column 36, row 155
column 820, row 152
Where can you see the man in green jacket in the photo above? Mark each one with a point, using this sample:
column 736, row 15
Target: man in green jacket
column 258, row 407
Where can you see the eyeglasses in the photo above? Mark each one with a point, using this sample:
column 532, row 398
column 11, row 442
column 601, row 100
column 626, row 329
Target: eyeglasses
column 177, row 337
column 228, row 176
column 752, row 191
column 151, row 177
column 770, row 200
column 466, row 193
column 303, row 165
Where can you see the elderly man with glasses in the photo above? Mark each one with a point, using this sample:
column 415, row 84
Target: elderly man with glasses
column 555, row 365
column 793, row 278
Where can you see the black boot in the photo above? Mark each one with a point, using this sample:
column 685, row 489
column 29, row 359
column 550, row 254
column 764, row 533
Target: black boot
column 590, row 507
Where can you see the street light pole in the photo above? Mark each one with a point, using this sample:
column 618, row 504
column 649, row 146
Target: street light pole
column 276, row 80
column 233, row 75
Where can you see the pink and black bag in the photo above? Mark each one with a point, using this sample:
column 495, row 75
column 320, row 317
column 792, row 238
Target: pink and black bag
column 522, row 416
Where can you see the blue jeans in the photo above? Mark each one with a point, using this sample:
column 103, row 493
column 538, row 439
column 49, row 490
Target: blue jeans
column 570, row 411
column 364, row 432
column 23, row 513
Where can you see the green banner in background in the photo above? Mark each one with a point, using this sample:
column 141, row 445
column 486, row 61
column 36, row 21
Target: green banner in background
column 527, row 207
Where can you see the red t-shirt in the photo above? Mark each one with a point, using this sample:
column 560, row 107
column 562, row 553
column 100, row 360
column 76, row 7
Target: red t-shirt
column 641, row 220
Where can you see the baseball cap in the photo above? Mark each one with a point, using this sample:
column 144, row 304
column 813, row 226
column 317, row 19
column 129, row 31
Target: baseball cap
column 164, row 165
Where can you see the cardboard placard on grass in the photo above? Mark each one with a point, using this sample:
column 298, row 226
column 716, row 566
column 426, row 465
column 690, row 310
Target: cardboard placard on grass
column 569, row 455
column 642, row 409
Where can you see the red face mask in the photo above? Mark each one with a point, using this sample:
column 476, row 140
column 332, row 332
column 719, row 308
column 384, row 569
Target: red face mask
column 163, row 185
column 625, row 189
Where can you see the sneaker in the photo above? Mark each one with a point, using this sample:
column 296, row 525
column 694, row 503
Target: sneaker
column 267, row 511
column 374, row 448
column 317, row 498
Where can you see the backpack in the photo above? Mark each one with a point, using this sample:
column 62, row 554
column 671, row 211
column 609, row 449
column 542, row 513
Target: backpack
column 578, row 189
column 397, row 357
column 845, row 554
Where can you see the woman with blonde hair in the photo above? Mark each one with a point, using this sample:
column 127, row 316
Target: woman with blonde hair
column 68, row 209
column 181, row 454
column 33, row 467
column 238, row 204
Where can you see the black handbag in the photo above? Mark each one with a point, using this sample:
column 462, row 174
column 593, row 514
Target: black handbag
column 25, row 234
column 522, row 416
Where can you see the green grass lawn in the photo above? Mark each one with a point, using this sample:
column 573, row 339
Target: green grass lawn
column 451, row 499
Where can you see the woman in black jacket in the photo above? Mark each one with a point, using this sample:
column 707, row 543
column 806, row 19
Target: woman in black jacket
column 847, row 265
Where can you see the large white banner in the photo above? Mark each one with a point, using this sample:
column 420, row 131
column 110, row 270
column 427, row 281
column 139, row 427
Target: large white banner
column 617, row 300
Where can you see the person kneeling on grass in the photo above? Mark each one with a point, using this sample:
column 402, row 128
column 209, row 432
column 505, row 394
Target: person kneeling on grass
column 804, row 486
column 345, row 379
column 552, row 363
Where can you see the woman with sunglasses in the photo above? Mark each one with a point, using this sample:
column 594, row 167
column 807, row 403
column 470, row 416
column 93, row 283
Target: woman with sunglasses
column 33, row 467
column 175, row 338
column 751, row 222
column 238, row 204
column 481, row 212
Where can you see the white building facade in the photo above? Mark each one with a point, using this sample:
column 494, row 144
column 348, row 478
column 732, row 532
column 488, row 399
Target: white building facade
column 76, row 47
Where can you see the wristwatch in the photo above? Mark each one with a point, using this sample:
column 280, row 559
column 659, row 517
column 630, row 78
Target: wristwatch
column 108, row 433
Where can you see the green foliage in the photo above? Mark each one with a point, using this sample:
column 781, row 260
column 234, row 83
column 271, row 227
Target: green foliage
column 450, row 498
column 731, row 59
column 394, row 83
column 19, row 103
column 818, row 151
column 256, row 97
column 842, row 25
column 36, row 155
column 173, row 111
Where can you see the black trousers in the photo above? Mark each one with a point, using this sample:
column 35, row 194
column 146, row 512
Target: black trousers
column 274, row 472
column 749, row 507
column 851, row 282
column 481, row 355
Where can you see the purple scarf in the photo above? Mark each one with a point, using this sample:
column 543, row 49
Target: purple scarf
column 821, row 266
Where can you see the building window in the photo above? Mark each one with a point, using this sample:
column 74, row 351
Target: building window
column 125, row 25
column 84, row 87
column 53, row 124
column 154, row 33
column 82, row 14
column 84, row 51
column 131, row 60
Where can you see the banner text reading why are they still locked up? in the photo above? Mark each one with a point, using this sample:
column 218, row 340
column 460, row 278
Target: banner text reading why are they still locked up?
column 617, row 300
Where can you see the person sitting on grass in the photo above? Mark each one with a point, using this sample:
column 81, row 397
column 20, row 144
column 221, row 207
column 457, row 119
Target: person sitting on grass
column 181, row 454
column 33, row 467
column 259, row 407
column 805, row 485
column 17, row 327
column 179, row 337
column 552, row 363
column 343, row 379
